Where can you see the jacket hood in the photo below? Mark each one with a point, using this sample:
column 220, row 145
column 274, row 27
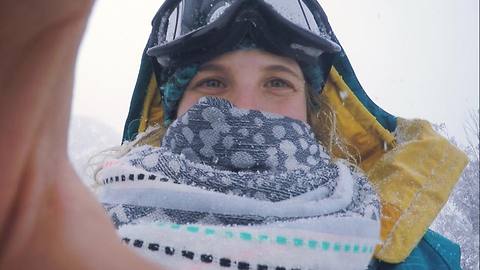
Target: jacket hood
column 150, row 77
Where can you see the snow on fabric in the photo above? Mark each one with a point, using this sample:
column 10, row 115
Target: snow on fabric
column 88, row 137
column 246, row 187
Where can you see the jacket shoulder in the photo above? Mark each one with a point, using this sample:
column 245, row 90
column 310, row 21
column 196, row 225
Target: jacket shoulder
column 433, row 252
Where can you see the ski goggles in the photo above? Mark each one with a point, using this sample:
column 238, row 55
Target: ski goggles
column 187, row 28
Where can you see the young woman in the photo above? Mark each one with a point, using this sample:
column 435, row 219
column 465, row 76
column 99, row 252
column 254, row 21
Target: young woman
column 215, row 48
column 240, row 170
column 51, row 222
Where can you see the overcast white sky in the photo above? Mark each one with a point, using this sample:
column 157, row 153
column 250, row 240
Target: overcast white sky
column 415, row 58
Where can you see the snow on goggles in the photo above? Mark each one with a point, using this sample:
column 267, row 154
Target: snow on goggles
column 182, row 20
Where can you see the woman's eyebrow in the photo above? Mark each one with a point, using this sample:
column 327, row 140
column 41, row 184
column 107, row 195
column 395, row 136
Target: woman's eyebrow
column 283, row 68
column 211, row 67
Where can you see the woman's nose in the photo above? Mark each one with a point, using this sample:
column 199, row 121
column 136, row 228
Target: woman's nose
column 245, row 98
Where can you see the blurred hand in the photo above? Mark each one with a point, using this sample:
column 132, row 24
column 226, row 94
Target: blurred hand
column 48, row 219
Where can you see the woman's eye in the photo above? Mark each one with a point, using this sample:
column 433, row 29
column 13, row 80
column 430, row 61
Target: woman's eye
column 212, row 83
column 277, row 83
column 209, row 86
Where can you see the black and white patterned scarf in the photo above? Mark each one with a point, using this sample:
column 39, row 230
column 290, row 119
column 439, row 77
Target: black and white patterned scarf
column 241, row 189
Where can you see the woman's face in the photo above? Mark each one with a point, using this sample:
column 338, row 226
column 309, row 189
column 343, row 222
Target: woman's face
column 251, row 79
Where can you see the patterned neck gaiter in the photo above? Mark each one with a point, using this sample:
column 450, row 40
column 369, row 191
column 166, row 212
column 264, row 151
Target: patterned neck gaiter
column 244, row 189
column 215, row 133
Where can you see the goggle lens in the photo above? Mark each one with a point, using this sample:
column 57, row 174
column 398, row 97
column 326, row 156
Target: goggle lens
column 204, row 12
